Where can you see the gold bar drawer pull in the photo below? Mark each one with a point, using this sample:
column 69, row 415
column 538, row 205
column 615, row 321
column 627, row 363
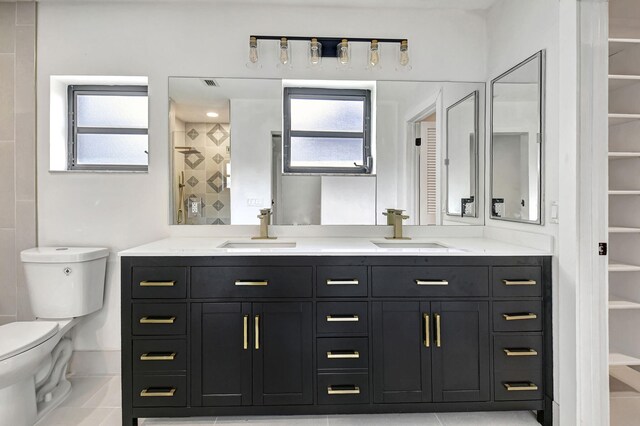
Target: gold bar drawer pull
column 343, row 318
column 519, row 317
column 343, row 282
column 343, row 390
column 157, row 283
column 343, row 355
column 157, row 320
column 158, row 356
column 260, row 283
column 520, row 352
column 158, row 392
column 432, row 282
column 519, row 282
column 520, row 387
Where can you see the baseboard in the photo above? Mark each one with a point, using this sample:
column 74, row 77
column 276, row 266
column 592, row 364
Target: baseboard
column 95, row 363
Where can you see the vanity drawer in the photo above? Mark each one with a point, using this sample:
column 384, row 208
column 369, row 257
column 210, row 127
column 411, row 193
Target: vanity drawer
column 159, row 355
column 342, row 317
column 517, row 352
column 434, row 281
column 159, row 391
column 341, row 281
column 517, row 316
column 159, row 319
column 517, row 281
column 252, row 281
column 521, row 385
column 343, row 389
column 159, row 282
column 343, row 352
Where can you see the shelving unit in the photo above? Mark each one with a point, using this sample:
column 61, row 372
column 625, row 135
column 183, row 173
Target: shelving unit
column 624, row 201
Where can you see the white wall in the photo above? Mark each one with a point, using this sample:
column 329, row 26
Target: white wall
column 122, row 210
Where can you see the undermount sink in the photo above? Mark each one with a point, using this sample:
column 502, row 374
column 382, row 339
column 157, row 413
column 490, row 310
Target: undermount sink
column 257, row 244
column 408, row 244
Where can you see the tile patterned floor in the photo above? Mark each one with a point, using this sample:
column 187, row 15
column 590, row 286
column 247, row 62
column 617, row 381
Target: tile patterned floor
column 95, row 401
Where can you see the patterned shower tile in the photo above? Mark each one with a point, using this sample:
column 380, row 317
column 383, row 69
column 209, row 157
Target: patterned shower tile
column 194, row 161
column 218, row 134
column 215, row 182
column 195, row 134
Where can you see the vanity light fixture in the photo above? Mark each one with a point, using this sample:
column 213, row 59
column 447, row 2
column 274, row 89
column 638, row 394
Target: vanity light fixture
column 315, row 52
column 343, row 52
column 374, row 54
column 212, row 114
column 404, row 53
column 284, row 51
column 337, row 47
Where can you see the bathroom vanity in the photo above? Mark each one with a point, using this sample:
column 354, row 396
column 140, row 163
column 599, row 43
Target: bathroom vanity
column 210, row 331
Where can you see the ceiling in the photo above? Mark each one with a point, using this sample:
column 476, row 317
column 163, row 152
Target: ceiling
column 419, row 4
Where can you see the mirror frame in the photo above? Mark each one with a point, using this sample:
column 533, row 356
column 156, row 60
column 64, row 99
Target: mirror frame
column 476, row 129
column 541, row 56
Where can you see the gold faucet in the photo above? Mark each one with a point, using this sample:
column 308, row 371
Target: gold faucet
column 265, row 221
column 397, row 217
column 390, row 214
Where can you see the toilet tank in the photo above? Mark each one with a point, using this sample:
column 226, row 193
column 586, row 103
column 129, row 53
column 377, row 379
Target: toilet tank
column 65, row 282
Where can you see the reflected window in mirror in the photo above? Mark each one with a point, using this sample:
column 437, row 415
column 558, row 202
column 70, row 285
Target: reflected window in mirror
column 462, row 157
column 327, row 131
column 517, row 123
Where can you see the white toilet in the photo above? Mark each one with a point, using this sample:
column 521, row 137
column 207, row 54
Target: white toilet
column 64, row 283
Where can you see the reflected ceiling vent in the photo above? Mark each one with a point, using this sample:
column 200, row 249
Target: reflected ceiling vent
column 210, row 82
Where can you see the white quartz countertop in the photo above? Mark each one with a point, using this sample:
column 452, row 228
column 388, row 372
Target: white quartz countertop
column 206, row 246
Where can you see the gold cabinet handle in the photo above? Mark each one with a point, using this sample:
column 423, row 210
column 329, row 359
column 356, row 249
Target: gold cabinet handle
column 520, row 352
column 355, row 390
column 432, row 282
column 158, row 356
column 343, row 282
column 252, row 283
column 519, row 317
column 343, row 318
column 245, row 332
column 157, row 283
column 427, row 337
column 157, row 320
column 256, row 324
column 519, row 282
column 438, row 336
column 158, row 392
column 343, row 355
column 519, row 387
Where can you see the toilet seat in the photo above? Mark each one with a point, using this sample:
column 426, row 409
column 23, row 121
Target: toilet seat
column 19, row 337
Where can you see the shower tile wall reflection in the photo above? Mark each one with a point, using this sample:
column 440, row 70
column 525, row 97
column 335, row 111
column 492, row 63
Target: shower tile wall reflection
column 206, row 173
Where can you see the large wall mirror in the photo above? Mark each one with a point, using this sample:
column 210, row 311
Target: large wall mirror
column 517, row 123
column 323, row 152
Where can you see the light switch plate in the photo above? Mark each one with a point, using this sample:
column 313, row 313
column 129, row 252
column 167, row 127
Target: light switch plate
column 554, row 212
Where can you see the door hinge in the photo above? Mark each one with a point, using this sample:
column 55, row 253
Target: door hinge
column 603, row 249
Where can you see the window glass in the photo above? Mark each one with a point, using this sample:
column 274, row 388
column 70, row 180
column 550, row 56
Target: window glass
column 112, row 111
column 112, row 149
column 327, row 115
column 326, row 152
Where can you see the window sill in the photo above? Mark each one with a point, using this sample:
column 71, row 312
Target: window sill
column 100, row 171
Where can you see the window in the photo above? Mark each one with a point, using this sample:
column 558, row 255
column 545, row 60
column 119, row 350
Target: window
column 327, row 131
column 108, row 128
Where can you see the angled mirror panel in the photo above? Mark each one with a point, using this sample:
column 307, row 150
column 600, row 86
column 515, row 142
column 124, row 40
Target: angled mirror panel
column 462, row 157
column 517, row 123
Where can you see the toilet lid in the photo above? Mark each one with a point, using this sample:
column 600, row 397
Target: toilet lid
column 18, row 337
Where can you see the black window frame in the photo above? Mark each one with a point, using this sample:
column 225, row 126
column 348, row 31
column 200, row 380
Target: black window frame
column 73, row 91
column 327, row 94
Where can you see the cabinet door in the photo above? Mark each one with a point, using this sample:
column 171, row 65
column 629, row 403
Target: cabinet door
column 401, row 352
column 461, row 359
column 222, row 350
column 283, row 355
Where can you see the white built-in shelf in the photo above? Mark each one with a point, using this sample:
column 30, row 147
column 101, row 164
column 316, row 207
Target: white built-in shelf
column 617, row 45
column 617, row 119
column 626, row 375
column 623, row 230
column 617, row 155
column 620, row 81
column 616, row 358
column 624, row 192
column 623, row 305
column 623, row 267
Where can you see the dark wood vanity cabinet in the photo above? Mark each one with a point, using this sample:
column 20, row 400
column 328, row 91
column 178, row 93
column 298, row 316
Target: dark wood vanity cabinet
column 211, row 336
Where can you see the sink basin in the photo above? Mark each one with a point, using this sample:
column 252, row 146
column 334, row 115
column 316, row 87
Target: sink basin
column 409, row 245
column 256, row 244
